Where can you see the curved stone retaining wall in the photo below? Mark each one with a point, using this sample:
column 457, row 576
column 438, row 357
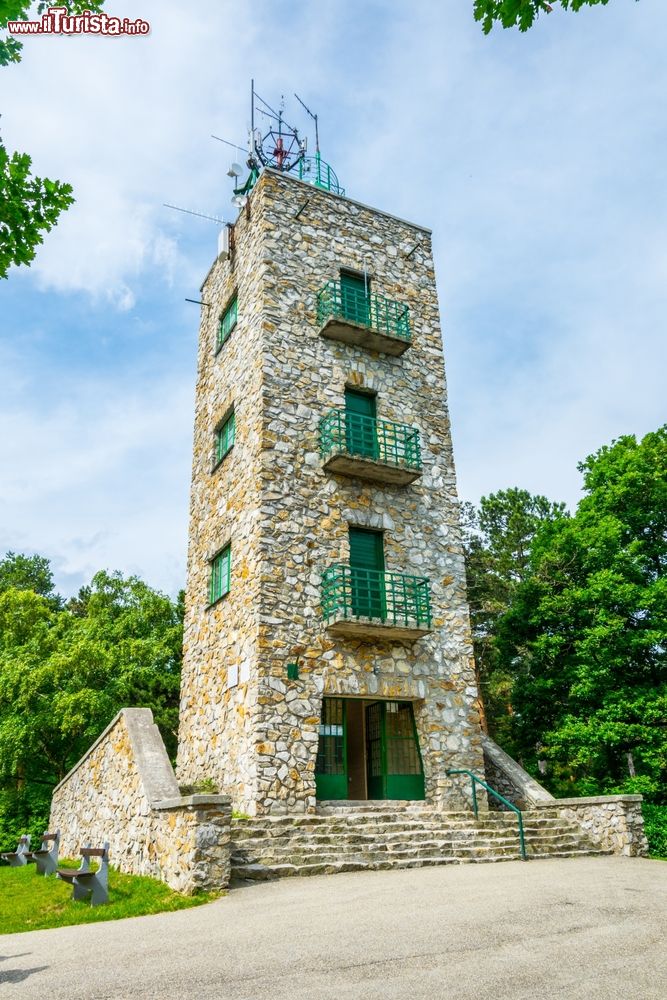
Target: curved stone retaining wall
column 124, row 791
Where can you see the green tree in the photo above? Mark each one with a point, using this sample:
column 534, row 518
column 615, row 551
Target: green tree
column 497, row 542
column 23, row 572
column 65, row 672
column 586, row 634
column 521, row 13
column 29, row 205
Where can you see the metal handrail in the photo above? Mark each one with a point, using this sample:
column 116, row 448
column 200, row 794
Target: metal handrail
column 369, row 593
column 510, row 805
column 317, row 172
column 362, row 308
column 381, row 440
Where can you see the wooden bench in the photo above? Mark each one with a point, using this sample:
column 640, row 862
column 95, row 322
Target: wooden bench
column 21, row 855
column 46, row 858
column 85, row 882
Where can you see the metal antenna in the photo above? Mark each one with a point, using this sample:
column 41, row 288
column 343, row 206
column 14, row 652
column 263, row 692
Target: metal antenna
column 234, row 145
column 314, row 117
column 201, row 215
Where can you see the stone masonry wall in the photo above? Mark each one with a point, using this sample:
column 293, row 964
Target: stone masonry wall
column 219, row 688
column 615, row 822
column 124, row 791
column 509, row 778
column 243, row 723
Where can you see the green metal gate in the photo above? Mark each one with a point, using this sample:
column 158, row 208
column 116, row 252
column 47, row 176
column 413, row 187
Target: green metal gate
column 331, row 765
column 394, row 766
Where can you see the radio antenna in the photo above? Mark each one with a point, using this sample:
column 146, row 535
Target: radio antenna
column 201, row 215
column 314, row 117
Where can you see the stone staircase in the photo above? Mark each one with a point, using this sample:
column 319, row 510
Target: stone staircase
column 370, row 836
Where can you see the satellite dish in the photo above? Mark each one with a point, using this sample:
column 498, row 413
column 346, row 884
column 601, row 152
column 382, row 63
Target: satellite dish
column 235, row 170
column 239, row 200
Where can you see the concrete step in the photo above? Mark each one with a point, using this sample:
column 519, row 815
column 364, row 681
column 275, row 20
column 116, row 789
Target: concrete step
column 254, row 872
column 396, row 832
column 370, row 836
column 268, row 827
column 303, row 854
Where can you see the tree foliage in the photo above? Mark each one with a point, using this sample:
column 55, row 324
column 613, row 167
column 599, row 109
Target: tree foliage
column 29, row 205
column 22, row 572
column 521, row 14
column 585, row 637
column 66, row 670
column 498, row 539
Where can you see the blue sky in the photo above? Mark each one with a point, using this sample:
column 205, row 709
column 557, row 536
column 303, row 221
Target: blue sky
column 537, row 159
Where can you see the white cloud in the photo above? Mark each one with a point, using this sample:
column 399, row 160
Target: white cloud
column 537, row 159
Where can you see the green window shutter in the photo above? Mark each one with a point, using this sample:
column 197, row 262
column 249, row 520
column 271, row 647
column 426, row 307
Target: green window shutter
column 360, row 425
column 225, row 437
column 355, row 282
column 221, row 571
column 354, row 297
column 367, row 582
column 227, row 321
column 366, row 549
column 360, row 402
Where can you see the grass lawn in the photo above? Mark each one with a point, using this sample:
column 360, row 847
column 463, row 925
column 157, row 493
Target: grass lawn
column 31, row 902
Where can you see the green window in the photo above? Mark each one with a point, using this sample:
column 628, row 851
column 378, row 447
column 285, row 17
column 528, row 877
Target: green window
column 224, row 437
column 221, row 571
column 227, row 322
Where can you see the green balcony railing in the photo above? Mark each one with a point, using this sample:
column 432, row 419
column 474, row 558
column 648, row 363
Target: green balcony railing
column 367, row 437
column 353, row 305
column 315, row 171
column 396, row 599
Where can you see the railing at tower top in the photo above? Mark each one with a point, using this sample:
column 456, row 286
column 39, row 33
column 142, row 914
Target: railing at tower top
column 366, row 437
column 395, row 598
column 315, row 171
column 338, row 300
column 476, row 780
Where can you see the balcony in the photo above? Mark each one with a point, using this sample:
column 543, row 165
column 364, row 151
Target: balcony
column 368, row 603
column 362, row 319
column 352, row 444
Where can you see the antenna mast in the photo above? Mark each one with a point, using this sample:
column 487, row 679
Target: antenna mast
column 314, row 117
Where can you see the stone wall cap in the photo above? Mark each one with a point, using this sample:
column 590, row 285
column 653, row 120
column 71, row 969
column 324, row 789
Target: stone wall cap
column 97, row 742
column 183, row 801
column 589, row 800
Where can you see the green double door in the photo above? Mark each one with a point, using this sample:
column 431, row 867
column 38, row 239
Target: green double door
column 361, row 436
column 394, row 767
column 367, row 581
column 392, row 759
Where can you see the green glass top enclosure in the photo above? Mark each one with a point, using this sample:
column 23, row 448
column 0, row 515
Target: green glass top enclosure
column 347, row 310
column 357, row 601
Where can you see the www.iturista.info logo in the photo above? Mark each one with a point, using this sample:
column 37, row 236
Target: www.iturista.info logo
column 56, row 21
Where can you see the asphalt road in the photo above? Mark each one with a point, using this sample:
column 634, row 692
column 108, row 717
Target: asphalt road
column 579, row 928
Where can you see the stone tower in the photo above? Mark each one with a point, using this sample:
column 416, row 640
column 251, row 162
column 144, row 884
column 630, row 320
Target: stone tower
column 327, row 649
